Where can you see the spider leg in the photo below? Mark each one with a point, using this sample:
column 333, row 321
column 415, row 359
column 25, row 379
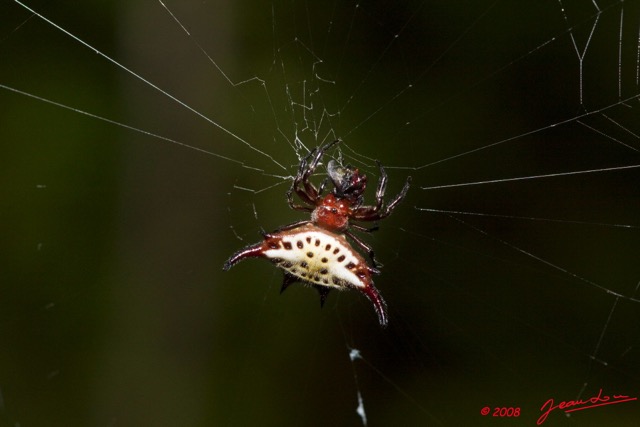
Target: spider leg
column 382, row 187
column 315, row 155
column 320, row 152
column 396, row 200
column 303, row 196
column 301, row 184
column 306, row 169
column 323, row 184
column 365, row 229
column 290, row 226
column 368, row 249
column 308, row 194
column 373, row 213
column 380, row 190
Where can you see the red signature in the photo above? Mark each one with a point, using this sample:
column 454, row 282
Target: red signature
column 578, row 405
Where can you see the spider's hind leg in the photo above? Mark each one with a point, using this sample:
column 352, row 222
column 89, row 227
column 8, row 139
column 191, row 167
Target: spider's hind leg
column 368, row 249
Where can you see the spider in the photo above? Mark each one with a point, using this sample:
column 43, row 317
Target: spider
column 316, row 252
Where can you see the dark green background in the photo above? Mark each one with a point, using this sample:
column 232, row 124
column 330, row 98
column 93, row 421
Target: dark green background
column 114, row 310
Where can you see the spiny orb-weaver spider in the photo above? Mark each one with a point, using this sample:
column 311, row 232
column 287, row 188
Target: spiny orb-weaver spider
column 317, row 252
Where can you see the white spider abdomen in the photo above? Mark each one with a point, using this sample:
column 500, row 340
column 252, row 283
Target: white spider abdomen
column 320, row 258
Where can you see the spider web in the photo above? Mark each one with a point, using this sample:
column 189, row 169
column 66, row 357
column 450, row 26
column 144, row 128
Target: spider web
column 144, row 143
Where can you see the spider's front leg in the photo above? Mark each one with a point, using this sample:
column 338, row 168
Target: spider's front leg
column 380, row 211
column 396, row 200
column 382, row 187
column 310, row 167
column 295, row 206
column 308, row 195
column 301, row 184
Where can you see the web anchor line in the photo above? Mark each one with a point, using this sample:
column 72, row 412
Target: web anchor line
column 150, row 84
column 523, row 178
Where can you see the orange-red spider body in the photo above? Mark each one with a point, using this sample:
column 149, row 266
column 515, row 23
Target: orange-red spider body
column 317, row 252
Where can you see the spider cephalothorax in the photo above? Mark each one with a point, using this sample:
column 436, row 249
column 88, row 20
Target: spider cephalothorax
column 317, row 252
